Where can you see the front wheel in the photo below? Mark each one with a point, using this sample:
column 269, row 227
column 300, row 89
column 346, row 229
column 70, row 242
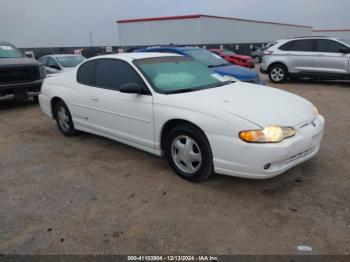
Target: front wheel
column 64, row 119
column 188, row 153
column 278, row 73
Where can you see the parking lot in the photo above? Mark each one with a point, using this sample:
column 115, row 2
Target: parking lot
column 90, row 195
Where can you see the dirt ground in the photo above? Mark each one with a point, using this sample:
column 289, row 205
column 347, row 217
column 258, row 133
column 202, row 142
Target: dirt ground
column 90, row 195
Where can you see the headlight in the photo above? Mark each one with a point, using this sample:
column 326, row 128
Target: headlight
column 42, row 70
column 271, row 134
column 316, row 110
column 230, row 78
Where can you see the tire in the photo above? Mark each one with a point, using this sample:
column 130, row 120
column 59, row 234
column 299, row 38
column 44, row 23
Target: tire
column 64, row 119
column 36, row 99
column 183, row 143
column 278, row 73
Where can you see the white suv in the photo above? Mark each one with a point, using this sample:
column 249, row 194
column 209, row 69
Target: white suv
column 310, row 57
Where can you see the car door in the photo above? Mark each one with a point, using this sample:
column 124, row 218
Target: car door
column 329, row 59
column 300, row 55
column 79, row 98
column 127, row 117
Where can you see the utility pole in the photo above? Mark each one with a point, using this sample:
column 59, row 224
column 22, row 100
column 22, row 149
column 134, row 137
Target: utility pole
column 91, row 39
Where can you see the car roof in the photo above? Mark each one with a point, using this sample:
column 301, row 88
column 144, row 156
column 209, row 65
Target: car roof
column 175, row 48
column 61, row 55
column 307, row 37
column 138, row 55
column 5, row 43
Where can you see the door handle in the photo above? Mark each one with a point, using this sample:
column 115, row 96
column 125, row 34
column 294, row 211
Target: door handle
column 94, row 98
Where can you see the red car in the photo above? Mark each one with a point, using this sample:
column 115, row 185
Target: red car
column 233, row 58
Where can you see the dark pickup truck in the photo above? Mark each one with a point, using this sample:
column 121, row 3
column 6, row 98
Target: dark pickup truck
column 19, row 75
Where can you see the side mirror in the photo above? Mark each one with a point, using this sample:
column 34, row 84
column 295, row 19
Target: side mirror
column 344, row 50
column 132, row 88
column 55, row 67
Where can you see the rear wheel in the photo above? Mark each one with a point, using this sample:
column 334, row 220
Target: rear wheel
column 278, row 73
column 188, row 153
column 64, row 119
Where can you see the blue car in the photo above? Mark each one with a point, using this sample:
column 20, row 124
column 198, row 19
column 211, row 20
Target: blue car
column 211, row 60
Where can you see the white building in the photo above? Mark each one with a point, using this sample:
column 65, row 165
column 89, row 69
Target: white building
column 341, row 33
column 204, row 30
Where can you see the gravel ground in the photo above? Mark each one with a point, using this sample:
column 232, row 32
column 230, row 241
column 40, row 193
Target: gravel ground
column 90, row 195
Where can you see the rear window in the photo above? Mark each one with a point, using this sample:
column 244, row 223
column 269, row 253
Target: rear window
column 86, row 72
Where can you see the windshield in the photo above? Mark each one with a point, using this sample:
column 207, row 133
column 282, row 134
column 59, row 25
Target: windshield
column 229, row 53
column 7, row 51
column 207, row 58
column 346, row 41
column 170, row 75
column 70, row 61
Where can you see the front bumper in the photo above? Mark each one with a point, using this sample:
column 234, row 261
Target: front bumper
column 234, row 157
column 26, row 87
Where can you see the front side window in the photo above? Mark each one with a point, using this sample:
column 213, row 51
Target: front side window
column 113, row 73
column 329, row 46
column 52, row 63
column 70, row 61
column 299, row 46
column 178, row 74
column 7, row 51
column 43, row 60
column 207, row 58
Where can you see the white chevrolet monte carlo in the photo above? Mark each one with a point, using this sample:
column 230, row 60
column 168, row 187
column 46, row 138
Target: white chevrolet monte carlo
column 170, row 105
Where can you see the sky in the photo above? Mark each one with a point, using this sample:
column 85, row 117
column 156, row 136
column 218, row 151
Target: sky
column 49, row 23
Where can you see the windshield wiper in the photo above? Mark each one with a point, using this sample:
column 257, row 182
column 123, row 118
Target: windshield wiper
column 182, row 91
column 226, row 64
column 222, row 84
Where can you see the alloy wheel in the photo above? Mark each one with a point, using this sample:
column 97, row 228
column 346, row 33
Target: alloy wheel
column 63, row 119
column 277, row 74
column 186, row 154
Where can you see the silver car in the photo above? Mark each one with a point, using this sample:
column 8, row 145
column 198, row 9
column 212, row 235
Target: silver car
column 309, row 57
column 61, row 63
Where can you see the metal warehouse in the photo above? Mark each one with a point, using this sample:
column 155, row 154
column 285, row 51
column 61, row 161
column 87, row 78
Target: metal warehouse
column 341, row 33
column 204, row 30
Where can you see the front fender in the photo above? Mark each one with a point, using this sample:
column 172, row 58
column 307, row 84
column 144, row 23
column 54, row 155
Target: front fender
column 219, row 124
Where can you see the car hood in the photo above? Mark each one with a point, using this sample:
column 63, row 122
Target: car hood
column 244, row 57
column 21, row 61
column 239, row 72
column 258, row 104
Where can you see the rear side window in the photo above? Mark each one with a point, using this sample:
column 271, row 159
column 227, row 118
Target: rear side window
column 86, row 72
column 299, row 46
column 329, row 46
column 113, row 73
